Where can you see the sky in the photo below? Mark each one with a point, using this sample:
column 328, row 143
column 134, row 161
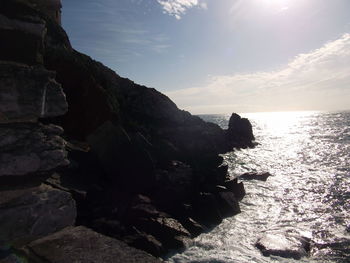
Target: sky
column 222, row 56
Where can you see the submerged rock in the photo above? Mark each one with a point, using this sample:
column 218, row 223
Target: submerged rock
column 255, row 176
column 284, row 244
column 80, row 244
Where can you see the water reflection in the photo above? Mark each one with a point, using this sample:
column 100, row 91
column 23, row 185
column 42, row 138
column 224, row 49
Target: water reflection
column 308, row 154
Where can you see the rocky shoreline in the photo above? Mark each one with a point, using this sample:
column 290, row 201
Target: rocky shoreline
column 96, row 168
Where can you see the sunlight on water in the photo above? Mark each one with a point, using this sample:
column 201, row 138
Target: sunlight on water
column 308, row 155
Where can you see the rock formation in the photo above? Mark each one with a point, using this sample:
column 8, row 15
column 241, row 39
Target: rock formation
column 128, row 163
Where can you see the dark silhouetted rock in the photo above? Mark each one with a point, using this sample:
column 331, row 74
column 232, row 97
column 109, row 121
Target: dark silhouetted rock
column 30, row 213
column 175, row 183
column 16, row 34
column 125, row 159
column 236, row 188
column 240, row 131
column 81, row 244
column 255, row 176
column 227, row 204
column 206, row 210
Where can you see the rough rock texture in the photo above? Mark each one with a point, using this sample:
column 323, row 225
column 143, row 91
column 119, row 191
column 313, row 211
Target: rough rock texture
column 28, row 93
column 82, row 245
column 144, row 171
column 26, row 148
column 30, row 213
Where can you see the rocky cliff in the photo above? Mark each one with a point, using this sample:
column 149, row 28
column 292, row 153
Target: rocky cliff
column 81, row 145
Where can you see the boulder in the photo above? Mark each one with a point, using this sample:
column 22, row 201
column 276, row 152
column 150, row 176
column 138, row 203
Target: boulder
column 227, row 204
column 28, row 93
column 236, row 188
column 240, row 131
column 287, row 244
column 80, row 244
column 148, row 219
column 30, row 213
column 255, row 176
column 145, row 242
column 27, row 148
column 205, row 210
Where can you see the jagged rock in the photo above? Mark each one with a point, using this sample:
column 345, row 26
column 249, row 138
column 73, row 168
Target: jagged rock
column 227, row 204
column 287, row 244
column 81, row 244
column 240, row 131
column 27, row 93
column 206, row 211
column 28, row 147
column 148, row 219
column 236, row 188
column 28, row 32
column 30, row 213
column 255, row 176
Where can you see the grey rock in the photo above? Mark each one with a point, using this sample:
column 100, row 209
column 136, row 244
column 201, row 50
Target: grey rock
column 27, row 148
column 82, row 245
column 27, row 214
column 28, row 93
column 287, row 244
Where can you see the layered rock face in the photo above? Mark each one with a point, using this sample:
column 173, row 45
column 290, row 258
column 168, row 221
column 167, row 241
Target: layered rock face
column 32, row 204
column 29, row 150
column 132, row 165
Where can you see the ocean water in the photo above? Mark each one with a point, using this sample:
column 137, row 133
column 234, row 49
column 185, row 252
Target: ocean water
column 308, row 155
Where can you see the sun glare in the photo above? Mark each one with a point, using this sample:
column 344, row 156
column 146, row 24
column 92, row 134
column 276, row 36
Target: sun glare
column 280, row 4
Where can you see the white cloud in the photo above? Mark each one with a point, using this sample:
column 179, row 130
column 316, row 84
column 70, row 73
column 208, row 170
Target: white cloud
column 177, row 8
column 317, row 80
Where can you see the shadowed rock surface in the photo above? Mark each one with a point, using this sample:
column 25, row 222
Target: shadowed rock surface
column 30, row 213
column 28, row 93
column 141, row 170
column 26, row 148
column 82, row 245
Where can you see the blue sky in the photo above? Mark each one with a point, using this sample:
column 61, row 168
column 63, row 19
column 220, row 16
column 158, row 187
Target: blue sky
column 219, row 56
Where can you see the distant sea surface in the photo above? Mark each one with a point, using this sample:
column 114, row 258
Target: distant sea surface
column 308, row 154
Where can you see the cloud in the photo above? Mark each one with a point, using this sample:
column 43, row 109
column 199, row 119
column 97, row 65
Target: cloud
column 177, row 8
column 318, row 80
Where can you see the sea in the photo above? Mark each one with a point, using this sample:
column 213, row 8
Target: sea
column 307, row 154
